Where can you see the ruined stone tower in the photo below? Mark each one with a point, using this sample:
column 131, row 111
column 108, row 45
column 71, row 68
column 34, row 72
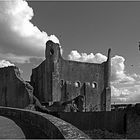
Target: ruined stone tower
column 59, row 80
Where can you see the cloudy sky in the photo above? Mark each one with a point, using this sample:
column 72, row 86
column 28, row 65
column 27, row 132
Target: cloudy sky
column 85, row 31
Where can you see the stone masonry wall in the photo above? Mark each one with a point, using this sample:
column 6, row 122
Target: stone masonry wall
column 49, row 77
column 133, row 122
column 52, row 127
column 38, row 82
column 13, row 92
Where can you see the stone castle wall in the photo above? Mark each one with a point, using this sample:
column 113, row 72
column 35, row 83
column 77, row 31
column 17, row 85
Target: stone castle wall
column 13, row 92
column 59, row 80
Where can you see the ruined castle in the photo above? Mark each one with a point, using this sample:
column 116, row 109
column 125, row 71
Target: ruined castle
column 59, row 80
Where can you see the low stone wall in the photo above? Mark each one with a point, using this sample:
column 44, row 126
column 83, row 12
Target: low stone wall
column 126, row 123
column 133, row 122
column 114, row 121
column 52, row 127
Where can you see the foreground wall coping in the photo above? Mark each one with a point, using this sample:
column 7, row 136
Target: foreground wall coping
column 52, row 126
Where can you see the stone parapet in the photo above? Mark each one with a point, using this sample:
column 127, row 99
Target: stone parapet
column 52, row 127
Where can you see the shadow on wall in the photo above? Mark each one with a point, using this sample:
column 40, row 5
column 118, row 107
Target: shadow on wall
column 113, row 121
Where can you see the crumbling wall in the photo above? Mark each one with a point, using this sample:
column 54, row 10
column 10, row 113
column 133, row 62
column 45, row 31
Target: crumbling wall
column 38, row 82
column 58, row 79
column 13, row 92
column 87, row 73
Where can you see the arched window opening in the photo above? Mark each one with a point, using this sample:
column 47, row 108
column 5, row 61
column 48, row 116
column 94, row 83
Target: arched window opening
column 77, row 84
column 61, row 82
column 51, row 52
column 94, row 85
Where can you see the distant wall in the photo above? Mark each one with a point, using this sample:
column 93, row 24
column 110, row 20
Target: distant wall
column 53, row 127
column 133, row 122
column 126, row 122
column 13, row 92
column 114, row 121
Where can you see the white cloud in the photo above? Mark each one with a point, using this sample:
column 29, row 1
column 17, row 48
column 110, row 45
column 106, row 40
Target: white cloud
column 15, row 58
column 119, row 95
column 18, row 59
column 118, row 70
column 136, row 76
column 119, row 92
column 17, row 34
column 130, row 94
column 4, row 63
column 90, row 58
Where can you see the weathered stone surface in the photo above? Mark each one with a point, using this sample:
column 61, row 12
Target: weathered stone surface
column 103, row 134
column 52, row 127
column 133, row 122
column 13, row 92
column 56, row 80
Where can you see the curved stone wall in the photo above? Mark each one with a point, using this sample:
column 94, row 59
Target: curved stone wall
column 51, row 126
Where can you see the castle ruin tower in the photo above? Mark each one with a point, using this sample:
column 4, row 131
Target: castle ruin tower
column 107, row 82
column 52, row 54
column 106, row 96
column 108, row 72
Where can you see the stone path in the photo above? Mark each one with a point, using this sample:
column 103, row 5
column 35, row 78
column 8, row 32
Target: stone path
column 9, row 129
